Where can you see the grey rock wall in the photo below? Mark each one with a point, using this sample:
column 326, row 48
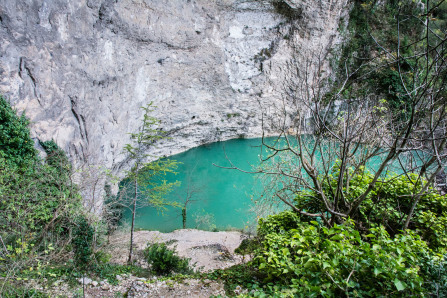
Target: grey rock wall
column 82, row 69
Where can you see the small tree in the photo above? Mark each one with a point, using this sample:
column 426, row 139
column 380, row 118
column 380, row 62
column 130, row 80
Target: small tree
column 146, row 177
column 189, row 196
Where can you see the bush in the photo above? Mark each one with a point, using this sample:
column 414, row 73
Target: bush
column 314, row 260
column 234, row 277
column 164, row 261
column 435, row 271
column 388, row 204
column 102, row 257
column 82, row 243
column 38, row 199
column 16, row 145
column 247, row 246
column 278, row 223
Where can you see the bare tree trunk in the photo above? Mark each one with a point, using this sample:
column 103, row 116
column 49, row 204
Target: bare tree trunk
column 129, row 260
column 184, row 217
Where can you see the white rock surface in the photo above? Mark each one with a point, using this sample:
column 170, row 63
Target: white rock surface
column 82, row 69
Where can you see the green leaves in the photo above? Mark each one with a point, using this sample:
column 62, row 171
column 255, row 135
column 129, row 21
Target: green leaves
column 337, row 260
column 34, row 193
column 164, row 261
column 147, row 177
column 16, row 144
column 82, row 243
column 400, row 286
column 38, row 201
column 388, row 204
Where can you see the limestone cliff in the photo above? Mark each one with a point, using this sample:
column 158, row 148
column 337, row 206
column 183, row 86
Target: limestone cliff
column 82, row 69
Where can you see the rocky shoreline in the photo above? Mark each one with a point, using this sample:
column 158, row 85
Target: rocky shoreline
column 207, row 250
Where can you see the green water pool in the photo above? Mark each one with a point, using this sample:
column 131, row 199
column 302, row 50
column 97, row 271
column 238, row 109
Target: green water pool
column 222, row 197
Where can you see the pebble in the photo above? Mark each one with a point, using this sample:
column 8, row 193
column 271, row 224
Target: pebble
column 105, row 287
column 85, row 281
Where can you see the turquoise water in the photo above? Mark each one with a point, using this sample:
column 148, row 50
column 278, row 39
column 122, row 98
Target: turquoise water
column 222, row 197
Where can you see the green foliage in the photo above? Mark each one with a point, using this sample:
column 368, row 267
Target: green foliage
column 278, row 223
column 38, row 201
column 435, row 270
column 146, row 136
column 302, row 257
column 244, row 275
column 147, row 177
column 314, row 260
column 32, row 191
column 373, row 27
column 82, row 244
column 102, row 257
column 247, row 246
column 70, row 272
column 153, row 186
column 49, row 146
column 164, row 261
column 388, row 204
column 16, row 145
column 56, row 157
column 36, row 196
column 14, row 291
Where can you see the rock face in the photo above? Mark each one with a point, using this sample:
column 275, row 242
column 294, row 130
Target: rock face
column 82, row 69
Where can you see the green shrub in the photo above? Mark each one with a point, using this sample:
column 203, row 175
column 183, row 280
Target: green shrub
column 244, row 275
column 314, row 260
column 388, row 204
column 164, row 261
column 435, row 272
column 83, row 244
column 278, row 223
column 102, row 257
column 38, row 199
column 56, row 157
column 16, row 145
column 247, row 246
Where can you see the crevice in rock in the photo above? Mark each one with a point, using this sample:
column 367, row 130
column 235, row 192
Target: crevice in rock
column 85, row 128
column 25, row 71
column 80, row 119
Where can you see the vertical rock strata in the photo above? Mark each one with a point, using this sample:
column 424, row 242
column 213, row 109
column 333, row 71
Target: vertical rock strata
column 82, row 69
